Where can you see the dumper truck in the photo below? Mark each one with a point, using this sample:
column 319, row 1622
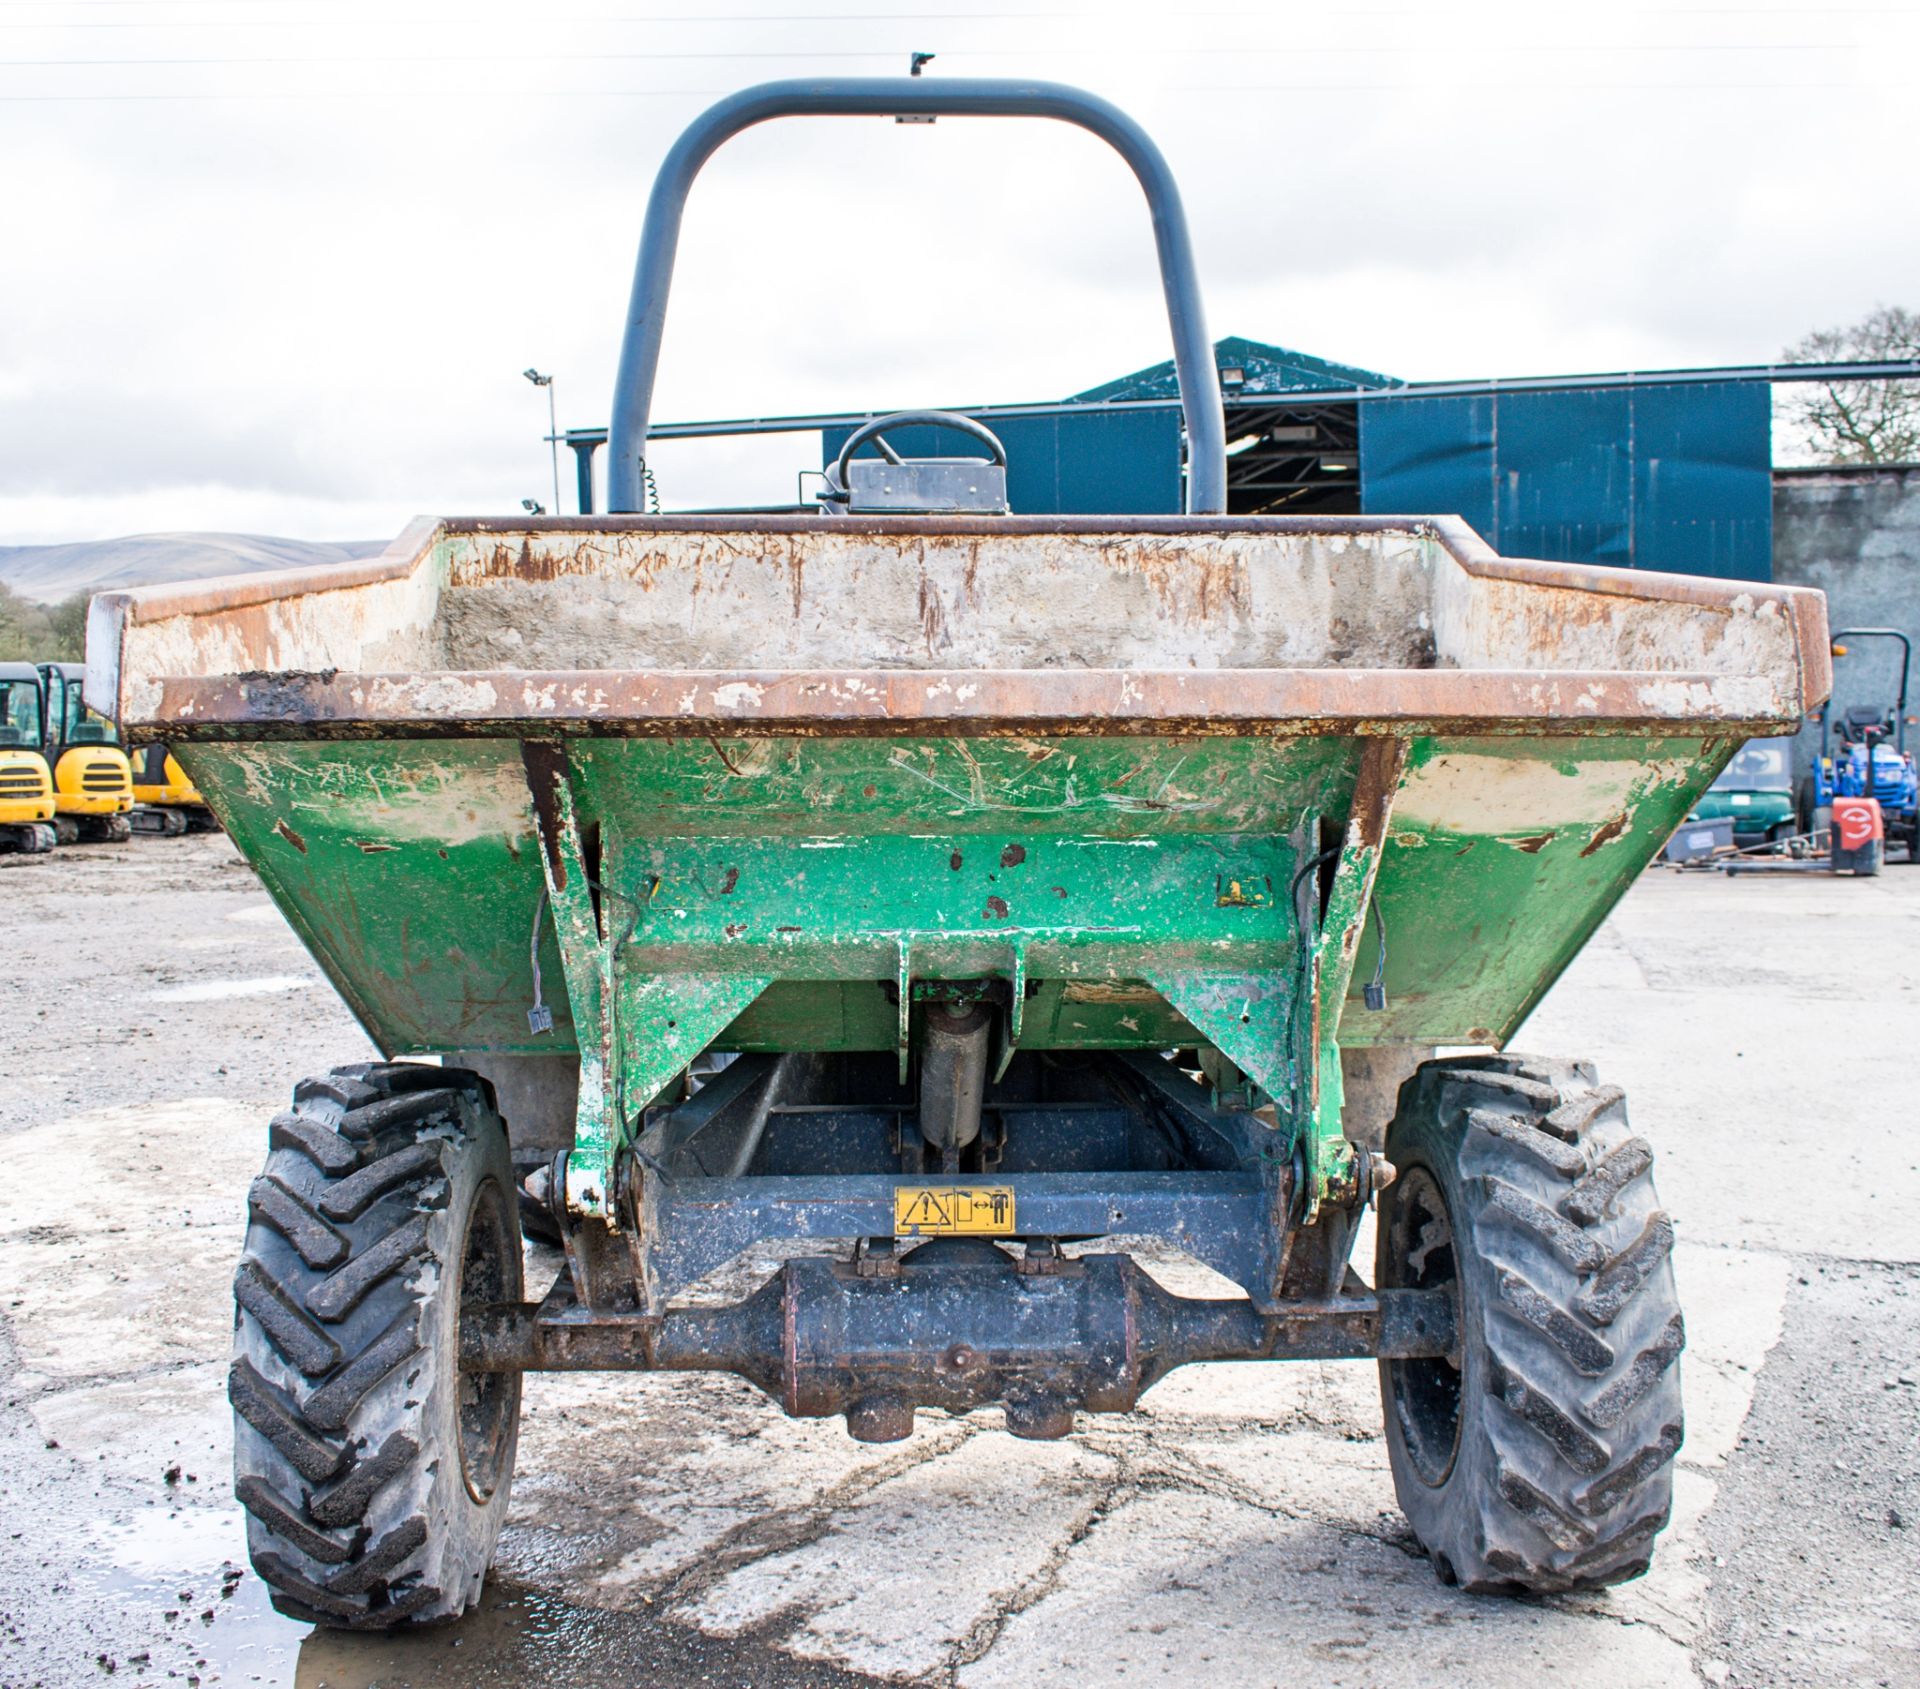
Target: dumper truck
column 962, row 914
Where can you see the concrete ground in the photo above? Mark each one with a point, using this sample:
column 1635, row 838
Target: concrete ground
column 1239, row 1531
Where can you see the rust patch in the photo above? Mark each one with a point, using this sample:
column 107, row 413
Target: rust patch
column 996, row 909
column 546, row 767
column 955, row 860
column 291, row 837
column 1017, row 704
column 731, row 880
column 933, row 616
column 1013, row 856
column 1375, row 784
column 1107, row 991
column 1606, row 834
column 374, row 847
column 1533, row 844
column 282, row 695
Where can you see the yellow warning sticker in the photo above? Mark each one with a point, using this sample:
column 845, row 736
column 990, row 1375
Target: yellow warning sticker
column 952, row 1210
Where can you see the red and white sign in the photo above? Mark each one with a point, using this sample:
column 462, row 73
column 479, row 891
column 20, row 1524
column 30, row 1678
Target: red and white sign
column 1857, row 822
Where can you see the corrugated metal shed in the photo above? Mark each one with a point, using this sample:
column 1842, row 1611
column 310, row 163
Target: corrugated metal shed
column 1674, row 477
column 1669, row 471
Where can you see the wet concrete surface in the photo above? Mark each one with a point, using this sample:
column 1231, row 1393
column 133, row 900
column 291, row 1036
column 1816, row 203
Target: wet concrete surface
column 1240, row 1530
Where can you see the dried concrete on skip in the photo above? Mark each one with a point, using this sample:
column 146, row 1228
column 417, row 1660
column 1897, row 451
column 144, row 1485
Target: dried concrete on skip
column 1240, row 1530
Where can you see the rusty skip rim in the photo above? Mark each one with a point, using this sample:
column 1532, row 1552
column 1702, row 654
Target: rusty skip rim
column 1454, row 536
column 1078, row 703
column 111, row 614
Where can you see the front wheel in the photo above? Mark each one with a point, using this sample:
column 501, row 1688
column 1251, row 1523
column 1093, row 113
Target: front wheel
column 1539, row 1457
column 373, row 1471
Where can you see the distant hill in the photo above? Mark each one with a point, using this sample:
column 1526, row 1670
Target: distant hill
column 49, row 573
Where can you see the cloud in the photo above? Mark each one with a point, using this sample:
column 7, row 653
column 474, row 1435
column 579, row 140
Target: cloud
column 306, row 310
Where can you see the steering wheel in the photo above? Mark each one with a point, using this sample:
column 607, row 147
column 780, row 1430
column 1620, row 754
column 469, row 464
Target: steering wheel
column 837, row 476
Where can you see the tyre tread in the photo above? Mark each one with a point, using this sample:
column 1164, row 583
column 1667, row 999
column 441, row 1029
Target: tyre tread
column 358, row 1192
column 271, row 1412
column 317, row 1243
column 356, row 1168
column 1580, row 1330
column 1587, row 1203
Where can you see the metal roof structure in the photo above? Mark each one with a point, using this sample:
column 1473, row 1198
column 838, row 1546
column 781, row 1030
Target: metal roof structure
column 1653, row 469
column 1887, row 369
column 1248, row 369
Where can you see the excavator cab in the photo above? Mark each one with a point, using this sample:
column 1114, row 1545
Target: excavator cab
column 26, row 785
column 92, row 779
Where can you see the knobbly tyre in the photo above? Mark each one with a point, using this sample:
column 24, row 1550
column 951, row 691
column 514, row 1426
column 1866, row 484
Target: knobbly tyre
column 1045, row 880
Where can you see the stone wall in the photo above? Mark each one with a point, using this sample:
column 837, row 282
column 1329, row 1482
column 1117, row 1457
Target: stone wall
column 1855, row 534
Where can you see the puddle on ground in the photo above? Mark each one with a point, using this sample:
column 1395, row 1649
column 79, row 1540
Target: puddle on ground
column 167, row 1546
column 215, row 990
column 515, row 1636
column 258, row 914
column 173, row 1567
column 210, row 1614
column 520, row 1638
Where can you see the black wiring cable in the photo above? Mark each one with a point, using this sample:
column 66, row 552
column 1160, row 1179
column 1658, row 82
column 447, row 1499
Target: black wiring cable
column 539, row 1016
column 1374, row 993
column 1306, row 868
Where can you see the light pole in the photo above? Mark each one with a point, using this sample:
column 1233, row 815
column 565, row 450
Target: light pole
column 553, row 430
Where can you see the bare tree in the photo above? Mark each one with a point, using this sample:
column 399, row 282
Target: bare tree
column 1860, row 421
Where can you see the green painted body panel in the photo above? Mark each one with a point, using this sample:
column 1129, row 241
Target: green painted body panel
column 412, row 867
column 411, row 870
column 774, row 893
column 1489, row 893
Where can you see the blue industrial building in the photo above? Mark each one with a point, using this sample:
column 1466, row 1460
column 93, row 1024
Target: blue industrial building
column 1647, row 476
column 1671, row 470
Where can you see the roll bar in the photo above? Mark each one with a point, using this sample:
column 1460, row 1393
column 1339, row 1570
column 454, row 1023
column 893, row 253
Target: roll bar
column 1900, row 704
column 893, row 96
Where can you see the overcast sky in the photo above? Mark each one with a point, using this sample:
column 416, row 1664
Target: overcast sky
column 275, row 265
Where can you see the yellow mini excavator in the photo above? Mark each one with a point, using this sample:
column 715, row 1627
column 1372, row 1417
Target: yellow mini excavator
column 26, row 786
column 92, row 779
column 165, row 797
